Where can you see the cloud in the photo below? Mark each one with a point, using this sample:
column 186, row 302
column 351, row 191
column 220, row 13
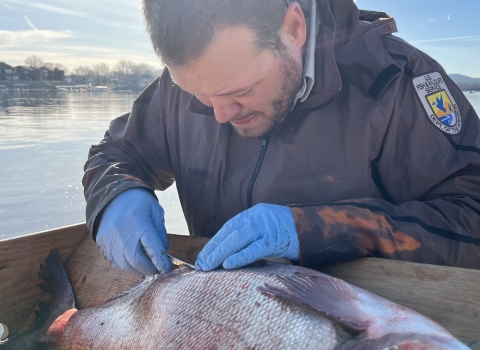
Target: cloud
column 89, row 56
column 21, row 38
column 109, row 12
column 91, row 9
column 66, row 47
column 30, row 24
column 431, row 20
column 59, row 10
column 47, row 7
column 8, row 6
column 459, row 38
column 64, row 32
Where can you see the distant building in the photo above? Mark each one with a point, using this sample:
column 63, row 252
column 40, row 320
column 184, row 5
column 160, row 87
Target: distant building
column 58, row 75
column 20, row 87
column 7, row 72
column 25, row 73
column 42, row 73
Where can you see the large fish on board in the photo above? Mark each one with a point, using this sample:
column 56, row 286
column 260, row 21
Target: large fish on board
column 265, row 306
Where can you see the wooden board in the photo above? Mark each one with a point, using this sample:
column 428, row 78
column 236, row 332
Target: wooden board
column 447, row 295
column 20, row 259
column 94, row 281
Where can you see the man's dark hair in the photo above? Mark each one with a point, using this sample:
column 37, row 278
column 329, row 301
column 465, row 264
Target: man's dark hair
column 181, row 30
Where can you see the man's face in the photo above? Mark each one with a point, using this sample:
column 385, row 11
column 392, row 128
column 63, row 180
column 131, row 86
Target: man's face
column 251, row 89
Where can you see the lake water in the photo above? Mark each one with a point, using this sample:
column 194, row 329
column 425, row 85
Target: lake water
column 43, row 147
column 44, row 143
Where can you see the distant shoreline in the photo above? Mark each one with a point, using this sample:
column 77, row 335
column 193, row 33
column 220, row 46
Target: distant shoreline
column 43, row 85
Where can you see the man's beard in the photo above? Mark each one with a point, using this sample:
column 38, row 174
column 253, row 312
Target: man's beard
column 291, row 79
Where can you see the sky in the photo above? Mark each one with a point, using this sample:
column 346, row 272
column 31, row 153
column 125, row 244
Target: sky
column 88, row 32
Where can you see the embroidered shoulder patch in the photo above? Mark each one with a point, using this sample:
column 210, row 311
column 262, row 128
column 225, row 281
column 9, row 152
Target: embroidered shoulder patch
column 441, row 108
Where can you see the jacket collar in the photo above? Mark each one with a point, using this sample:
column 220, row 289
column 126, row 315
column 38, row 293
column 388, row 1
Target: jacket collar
column 195, row 106
column 336, row 29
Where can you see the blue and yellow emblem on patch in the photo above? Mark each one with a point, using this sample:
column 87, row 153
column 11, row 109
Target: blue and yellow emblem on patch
column 442, row 107
column 438, row 102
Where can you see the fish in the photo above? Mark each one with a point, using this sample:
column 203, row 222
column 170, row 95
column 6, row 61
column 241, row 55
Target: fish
column 262, row 306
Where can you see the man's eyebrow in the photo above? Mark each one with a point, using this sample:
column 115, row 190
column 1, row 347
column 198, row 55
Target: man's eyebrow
column 238, row 91
column 235, row 92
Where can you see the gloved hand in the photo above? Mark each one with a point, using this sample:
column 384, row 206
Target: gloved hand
column 261, row 231
column 132, row 233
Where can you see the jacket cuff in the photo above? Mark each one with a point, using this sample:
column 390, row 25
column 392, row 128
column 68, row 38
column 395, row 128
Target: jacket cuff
column 320, row 244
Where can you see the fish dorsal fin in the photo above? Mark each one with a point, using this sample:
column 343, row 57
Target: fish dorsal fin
column 144, row 282
column 332, row 297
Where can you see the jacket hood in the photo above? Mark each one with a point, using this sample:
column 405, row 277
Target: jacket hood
column 341, row 22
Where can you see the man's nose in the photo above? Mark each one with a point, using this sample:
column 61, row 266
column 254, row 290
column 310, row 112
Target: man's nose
column 225, row 109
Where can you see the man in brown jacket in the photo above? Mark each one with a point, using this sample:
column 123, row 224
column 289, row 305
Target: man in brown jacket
column 303, row 130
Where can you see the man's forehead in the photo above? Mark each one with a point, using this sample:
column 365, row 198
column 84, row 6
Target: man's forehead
column 230, row 63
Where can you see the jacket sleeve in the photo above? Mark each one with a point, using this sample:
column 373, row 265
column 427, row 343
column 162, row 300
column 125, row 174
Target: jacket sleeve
column 430, row 210
column 133, row 153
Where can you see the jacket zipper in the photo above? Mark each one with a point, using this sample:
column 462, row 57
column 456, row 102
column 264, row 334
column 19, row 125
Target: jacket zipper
column 257, row 170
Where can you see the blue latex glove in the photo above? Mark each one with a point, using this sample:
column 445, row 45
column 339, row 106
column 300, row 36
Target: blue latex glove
column 132, row 233
column 261, row 231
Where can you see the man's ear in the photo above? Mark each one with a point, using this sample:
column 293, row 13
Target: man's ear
column 293, row 32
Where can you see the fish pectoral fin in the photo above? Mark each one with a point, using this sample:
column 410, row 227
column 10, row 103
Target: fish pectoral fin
column 332, row 297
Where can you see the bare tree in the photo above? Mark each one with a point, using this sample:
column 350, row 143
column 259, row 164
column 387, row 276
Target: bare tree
column 101, row 71
column 124, row 67
column 53, row 66
column 84, row 72
column 34, row 62
column 143, row 69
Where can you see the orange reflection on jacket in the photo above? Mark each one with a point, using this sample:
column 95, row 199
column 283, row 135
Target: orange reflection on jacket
column 369, row 230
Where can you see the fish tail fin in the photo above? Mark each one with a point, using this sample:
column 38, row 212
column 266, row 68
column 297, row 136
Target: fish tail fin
column 57, row 283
